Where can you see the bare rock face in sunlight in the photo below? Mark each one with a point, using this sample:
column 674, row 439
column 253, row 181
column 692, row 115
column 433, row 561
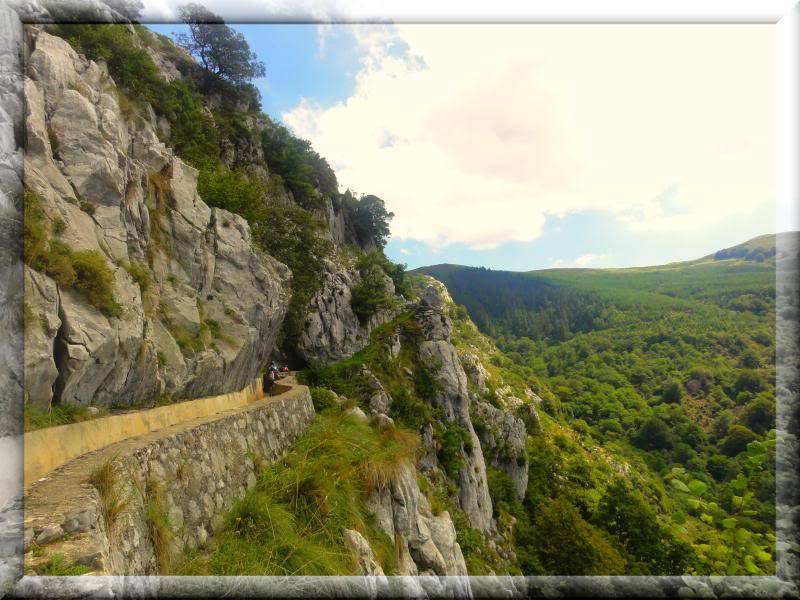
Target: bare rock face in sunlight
column 453, row 398
column 426, row 542
column 200, row 308
column 333, row 331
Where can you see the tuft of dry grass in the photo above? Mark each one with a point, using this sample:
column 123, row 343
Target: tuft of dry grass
column 104, row 479
column 159, row 526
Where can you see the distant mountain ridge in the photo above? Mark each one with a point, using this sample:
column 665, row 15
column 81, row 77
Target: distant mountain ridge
column 557, row 303
column 758, row 249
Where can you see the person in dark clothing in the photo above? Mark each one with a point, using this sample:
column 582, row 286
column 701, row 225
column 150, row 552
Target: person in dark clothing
column 268, row 381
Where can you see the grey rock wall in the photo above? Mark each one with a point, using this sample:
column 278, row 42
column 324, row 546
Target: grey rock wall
column 332, row 330
column 453, row 398
column 426, row 542
column 208, row 319
column 503, row 440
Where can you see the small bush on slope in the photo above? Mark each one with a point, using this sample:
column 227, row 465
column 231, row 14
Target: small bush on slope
column 568, row 545
column 291, row 523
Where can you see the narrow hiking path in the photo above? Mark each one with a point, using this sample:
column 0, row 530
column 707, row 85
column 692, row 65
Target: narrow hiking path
column 49, row 448
column 66, row 514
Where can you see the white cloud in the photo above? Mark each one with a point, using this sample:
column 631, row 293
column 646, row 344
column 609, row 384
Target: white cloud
column 404, row 251
column 585, row 259
column 478, row 133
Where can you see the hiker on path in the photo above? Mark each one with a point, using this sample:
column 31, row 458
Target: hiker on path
column 268, row 381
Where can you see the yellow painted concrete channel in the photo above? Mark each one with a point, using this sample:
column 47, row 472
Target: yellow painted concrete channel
column 49, row 448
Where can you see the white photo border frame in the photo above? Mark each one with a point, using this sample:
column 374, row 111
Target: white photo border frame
column 784, row 14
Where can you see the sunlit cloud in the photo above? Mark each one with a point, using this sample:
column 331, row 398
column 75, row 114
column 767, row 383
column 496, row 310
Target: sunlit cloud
column 476, row 134
column 585, row 259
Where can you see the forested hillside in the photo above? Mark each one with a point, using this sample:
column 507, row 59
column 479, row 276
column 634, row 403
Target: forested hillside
column 672, row 366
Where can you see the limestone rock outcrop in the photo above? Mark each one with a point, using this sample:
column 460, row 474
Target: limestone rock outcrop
column 426, row 542
column 201, row 307
column 503, row 437
column 477, row 375
column 453, row 398
column 362, row 552
column 332, row 330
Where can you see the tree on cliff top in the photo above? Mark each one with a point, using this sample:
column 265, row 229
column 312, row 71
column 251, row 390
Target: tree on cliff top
column 370, row 219
column 223, row 53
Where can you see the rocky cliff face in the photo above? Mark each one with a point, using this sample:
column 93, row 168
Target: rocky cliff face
column 204, row 309
column 452, row 397
column 503, row 437
column 201, row 307
column 426, row 543
column 332, row 330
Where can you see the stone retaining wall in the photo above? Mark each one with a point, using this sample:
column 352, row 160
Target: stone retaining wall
column 175, row 486
column 47, row 449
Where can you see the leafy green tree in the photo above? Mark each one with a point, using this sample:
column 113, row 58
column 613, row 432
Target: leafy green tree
column 748, row 381
column 654, row 434
column 370, row 219
column 568, row 545
column 672, row 391
column 370, row 295
column 721, row 467
column 223, row 53
column 759, row 414
column 722, row 423
column 625, row 514
column 700, row 380
column 293, row 236
column 306, row 173
column 749, row 360
column 737, row 439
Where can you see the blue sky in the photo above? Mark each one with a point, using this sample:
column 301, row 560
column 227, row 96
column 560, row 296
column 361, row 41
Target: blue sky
column 554, row 173
column 296, row 67
column 590, row 239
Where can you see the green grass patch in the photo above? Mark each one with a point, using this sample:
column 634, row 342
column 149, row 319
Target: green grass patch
column 140, row 274
column 104, row 479
column 58, row 566
column 291, row 523
column 84, row 271
column 158, row 525
column 40, row 418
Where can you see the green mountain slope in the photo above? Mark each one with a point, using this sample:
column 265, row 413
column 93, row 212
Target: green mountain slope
column 672, row 364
